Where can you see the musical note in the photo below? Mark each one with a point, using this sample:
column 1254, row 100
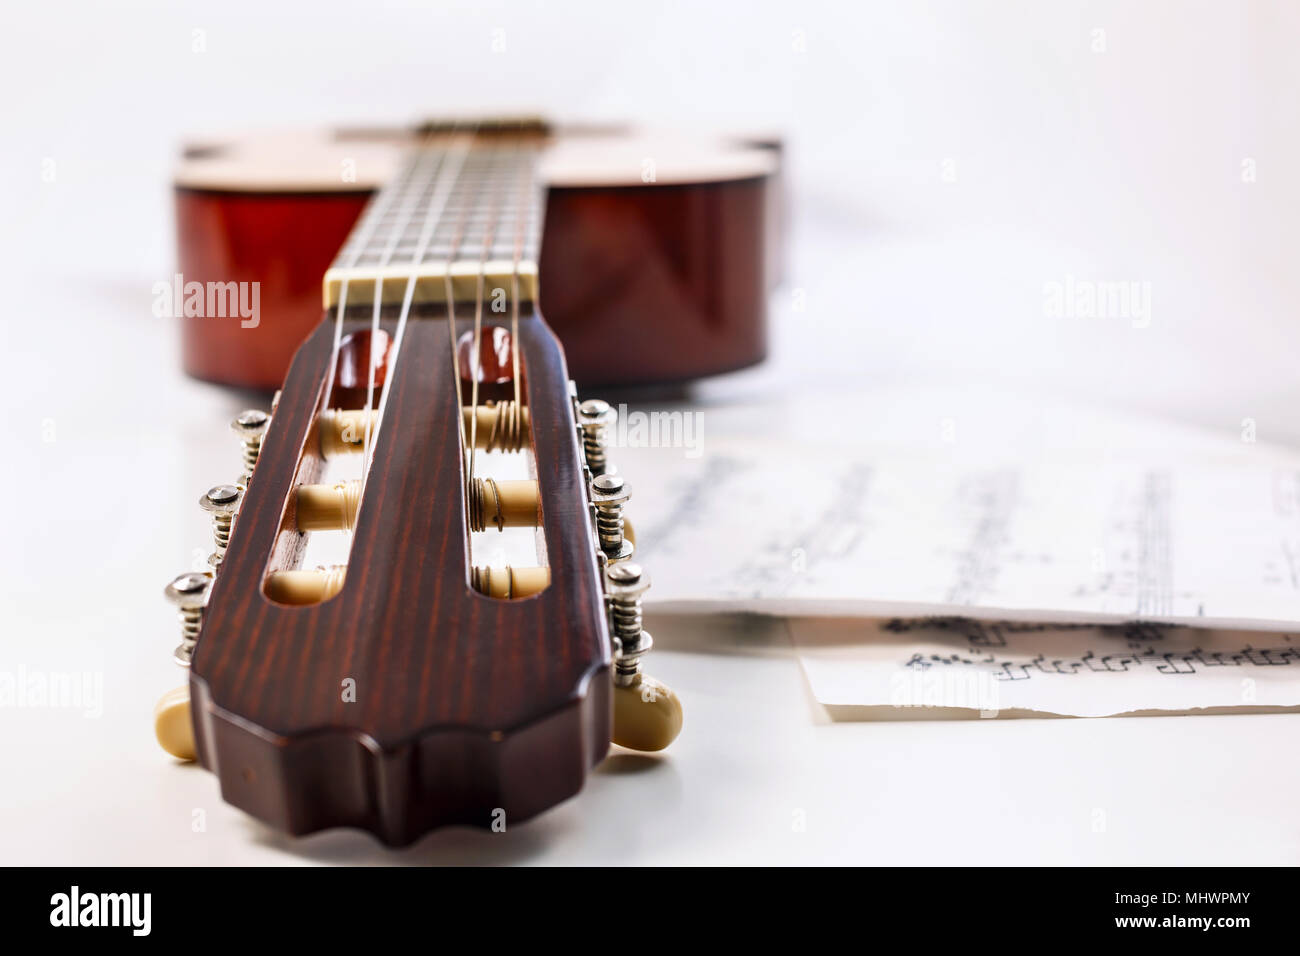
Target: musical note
column 1069, row 669
column 776, row 527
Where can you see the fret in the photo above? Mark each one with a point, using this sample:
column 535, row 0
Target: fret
column 463, row 204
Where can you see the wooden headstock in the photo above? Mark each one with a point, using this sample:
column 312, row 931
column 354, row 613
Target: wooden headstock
column 408, row 697
column 413, row 684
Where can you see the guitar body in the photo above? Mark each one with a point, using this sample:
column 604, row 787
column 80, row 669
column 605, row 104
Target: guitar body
column 655, row 267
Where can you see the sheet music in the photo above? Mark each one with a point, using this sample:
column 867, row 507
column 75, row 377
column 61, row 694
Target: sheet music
column 1052, row 515
column 959, row 667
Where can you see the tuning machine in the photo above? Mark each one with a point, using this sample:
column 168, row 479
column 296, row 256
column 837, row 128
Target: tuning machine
column 173, row 724
column 606, row 490
column 609, row 496
column 189, row 594
column 647, row 714
column 250, row 425
column 222, row 502
column 595, row 418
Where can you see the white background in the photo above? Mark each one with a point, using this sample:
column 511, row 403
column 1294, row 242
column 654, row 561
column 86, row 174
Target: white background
column 947, row 160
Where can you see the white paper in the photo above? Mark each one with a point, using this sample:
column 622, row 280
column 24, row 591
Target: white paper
column 1047, row 513
column 954, row 667
column 904, row 503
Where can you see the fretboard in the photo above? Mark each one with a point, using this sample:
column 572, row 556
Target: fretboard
column 464, row 205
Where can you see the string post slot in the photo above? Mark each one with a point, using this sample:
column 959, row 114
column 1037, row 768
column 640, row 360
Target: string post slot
column 342, row 431
column 503, row 504
column 305, row 587
column 328, row 507
column 497, row 426
column 509, row 583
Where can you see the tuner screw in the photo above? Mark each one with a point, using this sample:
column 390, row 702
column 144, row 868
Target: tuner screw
column 250, row 425
column 647, row 714
column 625, row 585
column 609, row 493
column 189, row 593
column 594, row 419
column 222, row 502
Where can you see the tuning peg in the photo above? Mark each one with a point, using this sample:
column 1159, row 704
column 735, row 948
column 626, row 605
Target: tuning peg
column 609, row 494
column 222, row 502
column 496, row 426
column 492, row 503
column 499, row 426
column 189, row 593
column 647, row 714
column 328, row 507
column 305, row 587
column 250, row 425
column 173, row 723
column 342, row 431
column 509, row 583
column 503, row 504
column 594, row 420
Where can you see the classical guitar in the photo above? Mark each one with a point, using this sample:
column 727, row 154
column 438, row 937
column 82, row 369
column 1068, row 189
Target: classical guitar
column 658, row 253
column 423, row 605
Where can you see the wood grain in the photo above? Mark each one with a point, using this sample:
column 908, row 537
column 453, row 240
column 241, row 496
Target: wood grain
column 464, row 703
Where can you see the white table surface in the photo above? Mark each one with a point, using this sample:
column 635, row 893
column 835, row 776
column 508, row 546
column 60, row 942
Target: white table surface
column 981, row 156
column 104, row 513
column 753, row 762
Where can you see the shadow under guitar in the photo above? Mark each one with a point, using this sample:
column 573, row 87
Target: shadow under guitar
column 587, row 818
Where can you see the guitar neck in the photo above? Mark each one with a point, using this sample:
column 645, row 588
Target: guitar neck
column 462, row 218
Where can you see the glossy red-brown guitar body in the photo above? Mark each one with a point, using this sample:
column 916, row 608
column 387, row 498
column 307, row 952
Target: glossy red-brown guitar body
column 647, row 283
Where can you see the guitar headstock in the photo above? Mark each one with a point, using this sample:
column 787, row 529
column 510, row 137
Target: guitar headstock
column 421, row 680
